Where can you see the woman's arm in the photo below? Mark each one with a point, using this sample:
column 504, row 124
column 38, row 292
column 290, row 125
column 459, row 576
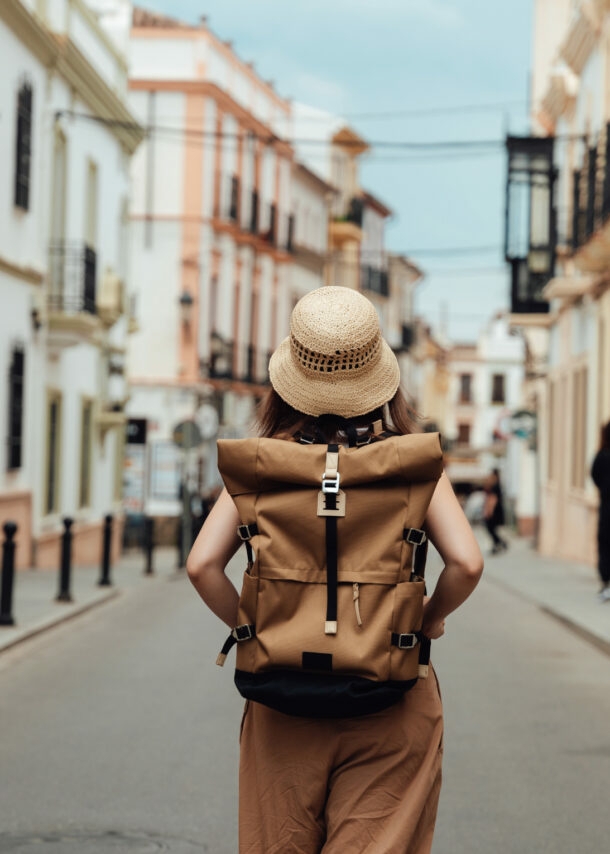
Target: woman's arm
column 449, row 530
column 214, row 547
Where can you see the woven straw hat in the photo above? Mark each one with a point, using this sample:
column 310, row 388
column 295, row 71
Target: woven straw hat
column 335, row 359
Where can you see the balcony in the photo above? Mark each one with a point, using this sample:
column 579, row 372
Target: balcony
column 589, row 240
column 374, row 280
column 72, row 292
column 237, row 363
column 531, row 221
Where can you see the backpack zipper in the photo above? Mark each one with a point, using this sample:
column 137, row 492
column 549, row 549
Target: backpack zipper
column 356, row 597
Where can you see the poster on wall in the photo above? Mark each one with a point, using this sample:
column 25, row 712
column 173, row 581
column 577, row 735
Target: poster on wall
column 164, row 471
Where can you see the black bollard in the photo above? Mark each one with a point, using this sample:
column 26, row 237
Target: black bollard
column 8, row 575
column 106, row 546
column 64, row 594
column 149, row 543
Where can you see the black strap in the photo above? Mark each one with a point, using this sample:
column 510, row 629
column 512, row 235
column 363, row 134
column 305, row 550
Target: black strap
column 245, row 533
column 238, row 635
column 330, row 503
column 406, row 640
column 419, row 541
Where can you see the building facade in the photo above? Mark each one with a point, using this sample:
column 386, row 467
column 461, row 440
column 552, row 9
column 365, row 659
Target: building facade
column 213, row 233
column 63, row 274
column 567, row 263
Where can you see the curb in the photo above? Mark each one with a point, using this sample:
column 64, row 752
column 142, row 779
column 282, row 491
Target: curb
column 56, row 620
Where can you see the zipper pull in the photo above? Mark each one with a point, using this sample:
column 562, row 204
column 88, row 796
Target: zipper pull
column 356, row 597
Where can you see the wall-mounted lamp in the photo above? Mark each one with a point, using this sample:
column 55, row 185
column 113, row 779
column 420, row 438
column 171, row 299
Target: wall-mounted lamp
column 186, row 307
column 36, row 321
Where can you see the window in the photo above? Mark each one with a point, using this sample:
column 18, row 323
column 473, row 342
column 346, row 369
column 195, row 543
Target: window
column 553, row 424
column 498, row 393
column 51, row 493
column 24, row 147
column 84, row 489
column 463, row 434
column 91, row 205
column 15, row 409
column 579, row 431
column 465, row 388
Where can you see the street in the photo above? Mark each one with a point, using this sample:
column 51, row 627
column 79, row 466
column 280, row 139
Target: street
column 119, row 733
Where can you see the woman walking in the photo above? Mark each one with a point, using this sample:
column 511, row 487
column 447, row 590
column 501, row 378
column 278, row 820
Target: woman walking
column 369, row 784
column 493, row 511
column 600, row 473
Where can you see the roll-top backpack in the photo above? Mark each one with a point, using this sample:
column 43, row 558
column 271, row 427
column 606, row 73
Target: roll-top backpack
column 330, row 612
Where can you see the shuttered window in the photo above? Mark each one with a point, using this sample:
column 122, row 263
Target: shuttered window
column 24, row 147
column 15, row 409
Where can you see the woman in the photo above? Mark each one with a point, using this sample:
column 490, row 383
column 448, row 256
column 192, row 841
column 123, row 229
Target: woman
column 493, row 511
column 600, row 472
column 368, row 784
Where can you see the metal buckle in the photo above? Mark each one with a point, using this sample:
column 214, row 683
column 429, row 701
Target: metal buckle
column 330, row 484
column 242, row 633
column 243, row 532
column 407, row 641
column 416, row 537
column 307, row 439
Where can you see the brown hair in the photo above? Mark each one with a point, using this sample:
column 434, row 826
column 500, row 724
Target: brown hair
column 605, row 436
column 276, row 417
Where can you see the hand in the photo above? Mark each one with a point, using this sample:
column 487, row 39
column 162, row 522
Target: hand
column 432, row 627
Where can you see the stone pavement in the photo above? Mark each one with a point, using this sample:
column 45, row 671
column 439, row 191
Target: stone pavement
column 564, row 589
column 36, row 610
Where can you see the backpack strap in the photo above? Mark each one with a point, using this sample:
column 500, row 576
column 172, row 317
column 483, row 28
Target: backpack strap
column 238, row 634
column 419, row 541
column 245, row 534
column 331, row 504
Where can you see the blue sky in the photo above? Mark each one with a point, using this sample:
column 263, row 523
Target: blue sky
column 357, row 57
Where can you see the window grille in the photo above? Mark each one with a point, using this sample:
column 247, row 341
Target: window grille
column 24, row 147
column 498, row 392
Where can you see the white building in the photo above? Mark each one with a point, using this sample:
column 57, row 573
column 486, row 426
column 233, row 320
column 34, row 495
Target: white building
column 64, row 172
column 485, row 381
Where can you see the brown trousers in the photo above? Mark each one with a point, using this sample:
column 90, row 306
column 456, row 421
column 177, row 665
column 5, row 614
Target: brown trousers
column 352, row 786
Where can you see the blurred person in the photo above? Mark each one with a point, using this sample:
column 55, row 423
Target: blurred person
column 340, row 785
column 600, row 474
column 493, row 511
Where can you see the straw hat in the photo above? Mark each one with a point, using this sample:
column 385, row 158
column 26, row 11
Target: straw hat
column 335, row 359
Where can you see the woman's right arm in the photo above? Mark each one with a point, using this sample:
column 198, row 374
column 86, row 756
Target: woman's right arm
column 451, row 534
column 214, row 547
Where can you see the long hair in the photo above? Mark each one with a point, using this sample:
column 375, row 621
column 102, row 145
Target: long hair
column 276, row 417
column 605, row 437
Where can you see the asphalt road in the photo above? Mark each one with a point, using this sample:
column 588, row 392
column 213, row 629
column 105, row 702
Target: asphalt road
column 119, row 734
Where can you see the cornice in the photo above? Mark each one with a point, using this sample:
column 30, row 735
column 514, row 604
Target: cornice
column 18, row 271
column 60, row 53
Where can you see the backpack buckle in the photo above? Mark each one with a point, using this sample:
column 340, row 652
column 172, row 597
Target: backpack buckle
column 407, row 641
column 243, row 633
column 415, row 536
column 243, row 532
column 330, row 483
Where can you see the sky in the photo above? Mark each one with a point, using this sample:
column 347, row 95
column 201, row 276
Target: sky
column 419, row 63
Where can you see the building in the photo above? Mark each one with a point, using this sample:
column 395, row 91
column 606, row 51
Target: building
column 311, row 202
column 213, row 232
column 560, row 257
column 64, row 171
column 485, row 381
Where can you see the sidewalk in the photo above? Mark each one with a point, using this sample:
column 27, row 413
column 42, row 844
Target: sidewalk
column 36, row 610
column 566, row 590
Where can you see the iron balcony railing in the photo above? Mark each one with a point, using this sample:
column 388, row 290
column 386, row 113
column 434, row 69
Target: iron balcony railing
column 240, row 363
column 591, row 191
column 72, row 277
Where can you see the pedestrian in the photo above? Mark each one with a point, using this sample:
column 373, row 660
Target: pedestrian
column 353, row 784
column 493, row 511
column 600, row 473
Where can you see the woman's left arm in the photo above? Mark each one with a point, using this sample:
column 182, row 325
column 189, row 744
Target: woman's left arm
column 214, row 547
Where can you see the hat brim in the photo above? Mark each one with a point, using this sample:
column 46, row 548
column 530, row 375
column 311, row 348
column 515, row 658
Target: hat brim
column 343, row 393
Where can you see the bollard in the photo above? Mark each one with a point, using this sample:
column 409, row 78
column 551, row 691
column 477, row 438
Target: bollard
column 106, row 547
column 64, row 594
column 149, row 543
column 8, row 575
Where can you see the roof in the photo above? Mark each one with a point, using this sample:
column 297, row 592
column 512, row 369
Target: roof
column 314, row 177
column 144, row 18
column 348, row 138
column 375, row 203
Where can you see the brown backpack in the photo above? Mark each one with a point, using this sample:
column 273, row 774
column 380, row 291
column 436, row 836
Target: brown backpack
column 331, row 608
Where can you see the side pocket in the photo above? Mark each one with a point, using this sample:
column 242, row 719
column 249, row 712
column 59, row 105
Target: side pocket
column 246, row 615
column 407, row 617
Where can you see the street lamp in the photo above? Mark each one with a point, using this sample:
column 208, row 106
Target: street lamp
column 186, row 307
